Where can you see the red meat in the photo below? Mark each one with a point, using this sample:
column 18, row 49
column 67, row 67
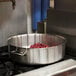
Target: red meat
column 39, row 45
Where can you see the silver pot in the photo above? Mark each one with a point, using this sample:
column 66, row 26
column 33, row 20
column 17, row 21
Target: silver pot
column 24, row 54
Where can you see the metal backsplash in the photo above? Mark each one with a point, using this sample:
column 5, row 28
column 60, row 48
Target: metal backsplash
column 12, row 22
column 61, row 21
column 66, row 5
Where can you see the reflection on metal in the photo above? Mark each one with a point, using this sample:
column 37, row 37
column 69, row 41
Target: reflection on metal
column 52, row 3
column 71, row 72
column 22, row 53
column 13, row 3
column 4, row 0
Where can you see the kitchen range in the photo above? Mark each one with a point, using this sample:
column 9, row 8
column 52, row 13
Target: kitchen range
column 19, row 60
column 52, row 53
column 64, row 67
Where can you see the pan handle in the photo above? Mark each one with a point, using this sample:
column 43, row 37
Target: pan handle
column 22, row 53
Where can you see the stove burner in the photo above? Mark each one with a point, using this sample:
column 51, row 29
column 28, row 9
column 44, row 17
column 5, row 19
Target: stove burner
column 6, row 69
column 9, row 68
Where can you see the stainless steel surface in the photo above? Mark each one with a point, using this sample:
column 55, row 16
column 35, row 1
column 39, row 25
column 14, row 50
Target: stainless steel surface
column 12, row 22
column 71, row 72
column 24, row 54
column 63, row 23
column 66, row 5
column 54, row 69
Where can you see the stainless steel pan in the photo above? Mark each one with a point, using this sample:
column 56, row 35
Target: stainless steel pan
column 24, row 54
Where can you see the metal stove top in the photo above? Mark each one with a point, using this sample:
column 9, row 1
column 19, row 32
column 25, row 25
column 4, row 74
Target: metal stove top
column 9, row 68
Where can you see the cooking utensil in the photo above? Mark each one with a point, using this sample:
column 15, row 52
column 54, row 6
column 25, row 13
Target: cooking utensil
column 24, row 54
